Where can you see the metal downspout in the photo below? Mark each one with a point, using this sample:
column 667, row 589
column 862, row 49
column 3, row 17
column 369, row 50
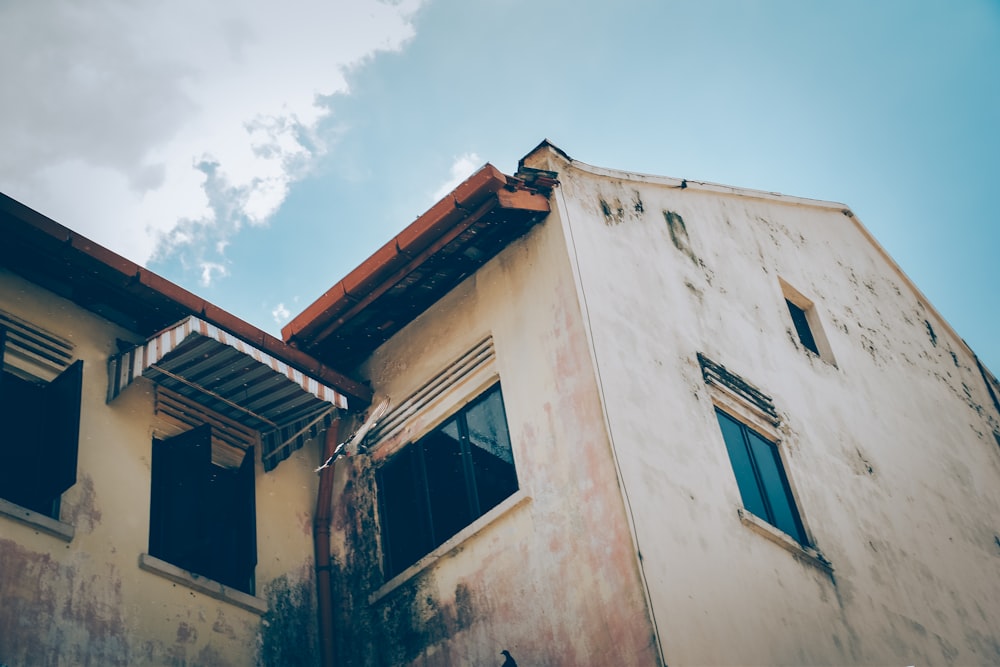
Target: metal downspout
column 321, row 542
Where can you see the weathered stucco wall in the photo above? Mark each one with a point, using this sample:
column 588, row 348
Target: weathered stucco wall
column 553, row 579
column 86, row 602
column 889, row 449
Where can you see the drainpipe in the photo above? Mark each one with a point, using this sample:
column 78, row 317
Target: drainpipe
column 321, row 541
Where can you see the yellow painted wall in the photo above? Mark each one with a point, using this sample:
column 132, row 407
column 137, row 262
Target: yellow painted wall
column 553, row 579
column 87, row 602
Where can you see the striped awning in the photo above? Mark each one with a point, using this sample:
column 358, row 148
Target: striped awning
column 232, row 378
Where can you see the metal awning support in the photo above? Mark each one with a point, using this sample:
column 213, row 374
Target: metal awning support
column 232, row 378
column 278, row 444
column 205, row 390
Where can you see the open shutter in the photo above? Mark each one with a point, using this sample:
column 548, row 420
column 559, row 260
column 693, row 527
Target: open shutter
column 243, row 557
column 178, row 507
column 60, row 432
column 232, row 525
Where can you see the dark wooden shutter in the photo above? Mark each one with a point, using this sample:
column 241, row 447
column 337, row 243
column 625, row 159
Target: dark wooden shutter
column 179, row 504
column 60, row 432
column 244, row 545
column 232, row 529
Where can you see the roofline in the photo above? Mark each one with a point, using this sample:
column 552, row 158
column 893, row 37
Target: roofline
column 683, row 183
column 410, row 248
column 715, row 188
column 84, row 247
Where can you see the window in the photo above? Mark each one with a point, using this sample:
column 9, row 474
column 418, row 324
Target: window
column 760, row 477
column 39, row 435
column 202, row 515
column 802, row 327
column 806, row 322
column 438, row 485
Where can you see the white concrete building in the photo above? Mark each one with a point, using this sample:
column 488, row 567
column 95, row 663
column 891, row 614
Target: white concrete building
column 633, row 420
column 638, row 420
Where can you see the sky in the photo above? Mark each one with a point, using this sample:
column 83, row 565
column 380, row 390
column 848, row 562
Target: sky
column 256, row 153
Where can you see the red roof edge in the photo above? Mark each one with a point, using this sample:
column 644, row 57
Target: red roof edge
column 472, row 193
column 86, row 250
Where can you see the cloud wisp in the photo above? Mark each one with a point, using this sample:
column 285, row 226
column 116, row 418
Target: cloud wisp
column 461, row 168
column 165, row 128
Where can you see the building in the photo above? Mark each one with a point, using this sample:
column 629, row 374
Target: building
column 155, row 504
column 632, row 420
column 641, row 420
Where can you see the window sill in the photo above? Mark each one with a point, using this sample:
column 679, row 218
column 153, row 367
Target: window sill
column 801, row 552
column 517, row 499
column 201, row 584
column 38, row 521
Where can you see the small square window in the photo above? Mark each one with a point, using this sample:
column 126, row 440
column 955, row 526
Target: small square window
column 435, row 487
column 805, row 321
column 202, row 516
column 39, row 436
column 802, row 327
column 761, row 477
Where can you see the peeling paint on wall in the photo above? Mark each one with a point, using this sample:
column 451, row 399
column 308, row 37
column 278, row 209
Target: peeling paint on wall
column 289, row 634
column 679, row 234
column 51, row 615
column 554, row 579
column 83, row 514
column 614, row 212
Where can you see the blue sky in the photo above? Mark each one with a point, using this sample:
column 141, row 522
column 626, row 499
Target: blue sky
column 257, row 158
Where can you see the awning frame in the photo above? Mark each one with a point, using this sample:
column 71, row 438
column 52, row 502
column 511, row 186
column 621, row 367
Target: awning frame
column 195, row 359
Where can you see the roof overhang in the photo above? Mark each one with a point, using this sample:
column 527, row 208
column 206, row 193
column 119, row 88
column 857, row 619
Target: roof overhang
column 232, row 378
column 76, row 268
column 426, row 260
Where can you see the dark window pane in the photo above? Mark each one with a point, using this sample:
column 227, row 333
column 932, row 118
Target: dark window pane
column 739, row 456
column 772, row 476
column 434, row 488
column 22, row 458
column 39, row 433
column 404, row 515
column 450, row 429
column 489, row 447
column 802, row 326
column 446, row 483
column 202, row 517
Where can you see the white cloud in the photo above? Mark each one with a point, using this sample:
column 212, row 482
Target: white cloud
column 211, row 270
column 149, row 125
column 463, row 167
column 280, row 313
